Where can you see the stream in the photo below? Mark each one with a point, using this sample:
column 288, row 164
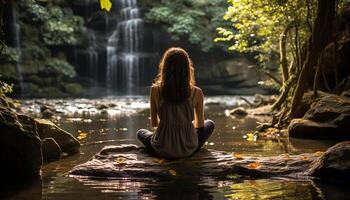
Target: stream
column 118, row 125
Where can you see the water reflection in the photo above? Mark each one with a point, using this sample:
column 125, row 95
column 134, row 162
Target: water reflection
column 21, row 189
column 270, row 189
column 118, row 126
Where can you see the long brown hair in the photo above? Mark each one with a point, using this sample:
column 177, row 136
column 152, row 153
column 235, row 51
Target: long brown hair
column 176, row 75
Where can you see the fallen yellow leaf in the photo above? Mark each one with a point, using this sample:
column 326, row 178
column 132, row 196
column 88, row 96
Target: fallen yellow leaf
column 172, row 172
column 106, row 4
column 82, row 135
column 237, row 156
column 250, row 137
column 120, row 161
column 254, row 165
column 159, row 161
column 318, row 153
column 304, row 158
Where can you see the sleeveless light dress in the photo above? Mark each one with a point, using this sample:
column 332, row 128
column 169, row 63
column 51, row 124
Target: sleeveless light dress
column 175, row 136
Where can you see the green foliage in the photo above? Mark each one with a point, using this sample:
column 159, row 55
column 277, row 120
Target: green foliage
column 35, row 53
column 256, row 25
column 9, row 55
column 62, row 27
column 59, row 67
column 36, row 12
column 194, row 20
column 59, row 25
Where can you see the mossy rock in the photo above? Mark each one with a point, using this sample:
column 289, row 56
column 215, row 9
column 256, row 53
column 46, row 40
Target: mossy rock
column 52, row 92
column 73, row 89
column 30, row 89
column 8, row 71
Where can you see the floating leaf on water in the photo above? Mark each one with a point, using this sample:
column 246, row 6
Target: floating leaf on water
column 172, row 172
column 254, row 165
column 120, row 161
column 237, row 156
column 251, row 137
column 158, row 161
column 82, row 135
column 318, row 153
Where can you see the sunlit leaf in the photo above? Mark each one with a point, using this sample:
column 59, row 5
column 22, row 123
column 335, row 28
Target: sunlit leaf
column 318, row 153
column 158, row 161
column 172, row 172
column 251, row 137
column 304, row 158
column 237, row 156
column 82, row 135
column 106, row 4
column 254, row 165
column 120, row 161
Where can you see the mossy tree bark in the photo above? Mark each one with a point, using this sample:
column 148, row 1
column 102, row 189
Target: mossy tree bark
column 320, row 36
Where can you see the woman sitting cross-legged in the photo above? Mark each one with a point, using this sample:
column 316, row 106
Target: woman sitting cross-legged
column 176, row 109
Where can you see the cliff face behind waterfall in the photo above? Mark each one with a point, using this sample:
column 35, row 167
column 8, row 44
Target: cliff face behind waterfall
column 72, row 48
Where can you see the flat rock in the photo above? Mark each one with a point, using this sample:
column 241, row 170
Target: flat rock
column 130, row 161
column 328, row 119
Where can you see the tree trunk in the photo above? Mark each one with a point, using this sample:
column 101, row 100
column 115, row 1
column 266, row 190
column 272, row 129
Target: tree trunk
column 283, row 53
column 320, row 36
column 285, row 91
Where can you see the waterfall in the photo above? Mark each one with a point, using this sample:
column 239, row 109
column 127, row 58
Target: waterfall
column 16, row 28
column 124, row 55
column 111, row 72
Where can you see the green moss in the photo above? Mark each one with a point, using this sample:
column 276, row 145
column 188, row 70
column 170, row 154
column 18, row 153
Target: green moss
column 73, row 89
column 51, row 92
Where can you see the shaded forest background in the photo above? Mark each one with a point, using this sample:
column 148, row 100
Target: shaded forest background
column 298, row 45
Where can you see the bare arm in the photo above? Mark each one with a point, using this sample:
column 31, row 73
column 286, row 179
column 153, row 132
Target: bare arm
column 154, row 106
column 199, row 109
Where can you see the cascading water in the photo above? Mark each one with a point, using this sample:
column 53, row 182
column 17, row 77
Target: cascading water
column 112, row 61
column 124, row 49
column 121, row 51
column 16, row 28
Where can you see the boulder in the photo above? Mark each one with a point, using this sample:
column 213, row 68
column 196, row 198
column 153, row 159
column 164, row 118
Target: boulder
column 101, row 106
column 20, row 146
column 130, row 161
column 73, row 89
column 68, row 143
column 47, row 114
column 327, row 119
column 334, row 164
column 50, row 149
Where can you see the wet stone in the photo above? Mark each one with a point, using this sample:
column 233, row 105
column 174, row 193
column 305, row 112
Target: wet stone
column 130, row 161
column 50, row 149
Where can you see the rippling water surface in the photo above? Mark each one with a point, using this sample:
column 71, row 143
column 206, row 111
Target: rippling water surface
column 118, row 124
